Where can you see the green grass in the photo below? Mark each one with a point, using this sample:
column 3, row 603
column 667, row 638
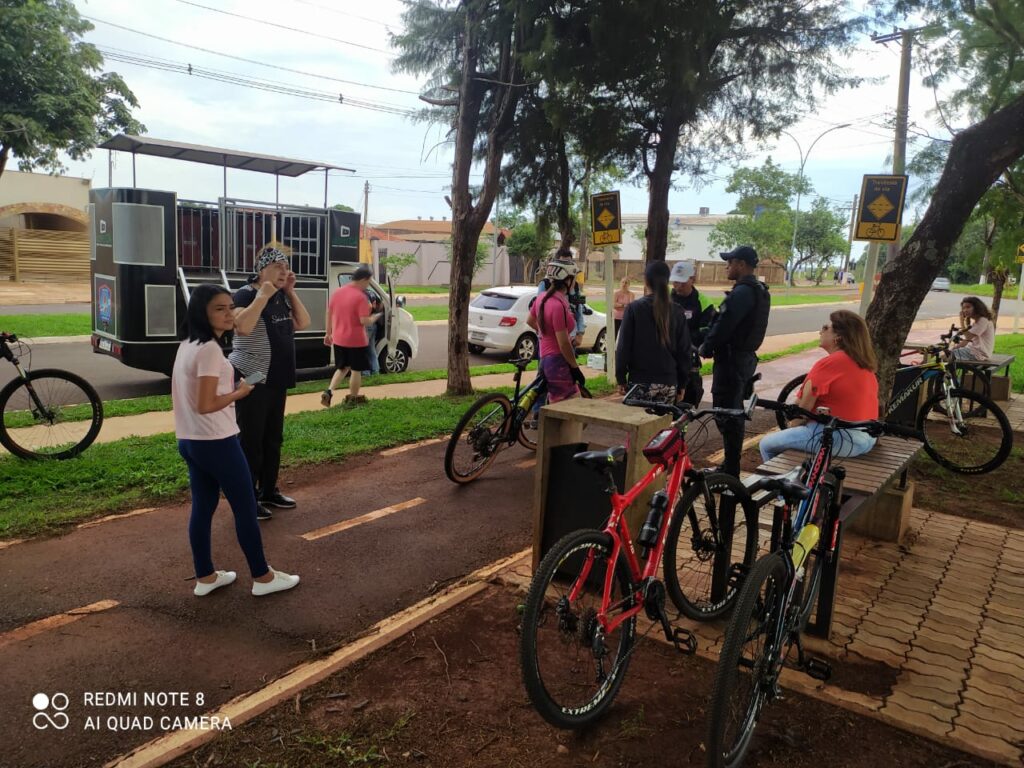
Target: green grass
column 1013, row 344
column 427, row 312
column 44, row 496
column 79, row 324
column 138, row 405
column 780, row 299
column 973, row 289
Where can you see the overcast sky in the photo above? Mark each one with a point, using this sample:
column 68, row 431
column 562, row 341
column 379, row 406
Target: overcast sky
column 406, row 163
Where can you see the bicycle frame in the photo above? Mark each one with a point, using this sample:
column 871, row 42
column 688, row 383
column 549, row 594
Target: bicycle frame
column 622, row 541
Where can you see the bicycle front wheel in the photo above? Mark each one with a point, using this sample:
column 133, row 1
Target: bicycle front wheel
column 572, row 668
column 696, row 540
column 749, row 663
column 966, row 432
column 788, row 394
column 478, row 438
column 51, row 414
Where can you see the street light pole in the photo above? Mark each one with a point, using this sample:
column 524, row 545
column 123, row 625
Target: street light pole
column 799, row 186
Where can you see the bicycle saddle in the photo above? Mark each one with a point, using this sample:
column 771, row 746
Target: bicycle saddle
column 599, row 459
column 788, row 485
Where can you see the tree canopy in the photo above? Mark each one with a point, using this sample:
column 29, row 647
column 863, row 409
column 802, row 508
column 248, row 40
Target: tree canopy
column 53, row 96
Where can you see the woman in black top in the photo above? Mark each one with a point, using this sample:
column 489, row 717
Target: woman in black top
column 654, row 341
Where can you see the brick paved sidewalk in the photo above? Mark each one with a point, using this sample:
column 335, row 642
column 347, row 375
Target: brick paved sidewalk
column 945, row 610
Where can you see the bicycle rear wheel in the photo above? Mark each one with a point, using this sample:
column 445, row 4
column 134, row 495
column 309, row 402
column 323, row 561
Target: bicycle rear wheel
column 968, row 433
column 477, row 439
column 571, row 669
column 748, row 666
column 788, row 394
column 51, row 414
column 695, row 539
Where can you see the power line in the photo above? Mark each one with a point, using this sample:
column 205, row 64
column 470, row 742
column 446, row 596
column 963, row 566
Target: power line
column 343, row 13
column 283, row 26
column 248, row 61
column 271, row 86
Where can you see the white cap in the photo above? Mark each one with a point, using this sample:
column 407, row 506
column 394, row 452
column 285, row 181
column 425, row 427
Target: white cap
column 681, row 272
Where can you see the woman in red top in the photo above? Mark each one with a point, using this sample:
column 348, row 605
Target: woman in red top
column 844, row 382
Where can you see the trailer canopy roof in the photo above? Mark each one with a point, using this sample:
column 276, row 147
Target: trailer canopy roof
column 227, row 158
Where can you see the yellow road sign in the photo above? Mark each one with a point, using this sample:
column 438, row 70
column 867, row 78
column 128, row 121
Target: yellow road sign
column 605, row 222
column 1020, row 253
column 882, row 208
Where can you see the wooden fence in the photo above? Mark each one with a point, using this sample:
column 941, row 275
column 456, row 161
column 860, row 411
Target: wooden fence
column 44, row 255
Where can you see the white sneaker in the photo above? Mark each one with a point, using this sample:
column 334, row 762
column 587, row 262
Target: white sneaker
column 223, row 579
column 279, row 583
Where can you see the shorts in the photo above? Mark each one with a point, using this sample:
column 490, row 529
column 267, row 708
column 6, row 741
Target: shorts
column 356, row 358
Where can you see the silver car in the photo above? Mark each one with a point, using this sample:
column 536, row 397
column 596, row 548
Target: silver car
column 497, row 320
column 941, row 284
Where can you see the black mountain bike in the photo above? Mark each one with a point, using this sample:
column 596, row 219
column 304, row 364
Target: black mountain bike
column 778, row 595
column 492, row 424
column 963, row 430
column 46, row 413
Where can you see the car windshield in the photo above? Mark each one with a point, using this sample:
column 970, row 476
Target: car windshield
column 492, row 300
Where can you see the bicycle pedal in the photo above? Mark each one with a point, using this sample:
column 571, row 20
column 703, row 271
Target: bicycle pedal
column 684, row 641
column 819, row 669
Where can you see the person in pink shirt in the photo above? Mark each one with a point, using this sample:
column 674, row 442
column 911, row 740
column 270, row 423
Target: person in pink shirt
column 348, row 316
column 552, row 317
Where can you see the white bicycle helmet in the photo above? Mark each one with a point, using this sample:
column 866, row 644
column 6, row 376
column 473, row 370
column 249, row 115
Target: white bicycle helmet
column 561, row 270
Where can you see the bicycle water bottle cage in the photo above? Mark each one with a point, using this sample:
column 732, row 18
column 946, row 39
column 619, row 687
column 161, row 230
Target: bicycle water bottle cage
column 664, row 446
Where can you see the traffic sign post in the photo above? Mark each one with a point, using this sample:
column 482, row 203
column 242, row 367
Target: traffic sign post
column 606, row 231
column 881, row 209
column 878, row 220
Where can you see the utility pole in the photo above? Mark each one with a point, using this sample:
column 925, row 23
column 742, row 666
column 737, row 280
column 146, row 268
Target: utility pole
column 494, row 255
column 366, row 206
column 853, row 222
column 899, row 154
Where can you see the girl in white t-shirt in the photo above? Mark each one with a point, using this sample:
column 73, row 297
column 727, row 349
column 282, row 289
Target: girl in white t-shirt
column 979, row 334
column 204, row 395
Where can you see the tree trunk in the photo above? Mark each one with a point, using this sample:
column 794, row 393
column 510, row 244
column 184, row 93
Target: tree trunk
column 468, row 219
column 5, row 152
column 998, row 277
column 990, row 233
column 565, row 223
column 660, row 180
column 977, row 157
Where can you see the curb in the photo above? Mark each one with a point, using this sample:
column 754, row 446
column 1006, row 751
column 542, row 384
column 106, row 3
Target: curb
column 164, row 749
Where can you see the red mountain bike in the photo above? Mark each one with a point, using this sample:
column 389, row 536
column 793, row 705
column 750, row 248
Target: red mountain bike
column 579, row 623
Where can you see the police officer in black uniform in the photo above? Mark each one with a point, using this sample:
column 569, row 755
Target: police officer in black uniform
column 733, row 341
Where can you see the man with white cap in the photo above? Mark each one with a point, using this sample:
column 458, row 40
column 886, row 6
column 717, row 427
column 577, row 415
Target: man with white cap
column 268, row 311
column 699, row 312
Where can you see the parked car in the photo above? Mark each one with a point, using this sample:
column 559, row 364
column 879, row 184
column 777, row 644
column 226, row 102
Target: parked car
column 497, row 320
column 941, row 284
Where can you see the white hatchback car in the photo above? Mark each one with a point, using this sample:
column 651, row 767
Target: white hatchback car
column 497, row 320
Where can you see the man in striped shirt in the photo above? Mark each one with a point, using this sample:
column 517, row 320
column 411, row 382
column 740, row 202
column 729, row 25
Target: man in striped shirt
column 267, row 314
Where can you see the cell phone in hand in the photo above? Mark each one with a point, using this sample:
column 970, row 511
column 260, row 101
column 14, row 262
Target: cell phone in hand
column 254, row 378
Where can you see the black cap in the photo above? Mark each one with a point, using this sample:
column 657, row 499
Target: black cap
column 743, row 253
column 362, row 272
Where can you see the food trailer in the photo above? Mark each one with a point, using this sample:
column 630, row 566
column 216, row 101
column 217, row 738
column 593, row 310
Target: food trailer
column 150, row 249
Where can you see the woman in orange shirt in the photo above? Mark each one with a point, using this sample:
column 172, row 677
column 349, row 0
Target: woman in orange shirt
column 844, row 382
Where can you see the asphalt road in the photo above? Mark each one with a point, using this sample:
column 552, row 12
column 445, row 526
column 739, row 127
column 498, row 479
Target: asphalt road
column 114, row 381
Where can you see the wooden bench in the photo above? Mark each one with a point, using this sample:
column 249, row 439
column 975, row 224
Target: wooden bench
column 876, row 501
column 985, row 370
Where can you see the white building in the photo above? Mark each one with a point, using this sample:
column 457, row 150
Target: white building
column 688, row 233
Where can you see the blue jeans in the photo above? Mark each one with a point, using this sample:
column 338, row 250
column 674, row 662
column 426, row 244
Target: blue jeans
column 371, row 334
column 846, row 443
column 215, row 466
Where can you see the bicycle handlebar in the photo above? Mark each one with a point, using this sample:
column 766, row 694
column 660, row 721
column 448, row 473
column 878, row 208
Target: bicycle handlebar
column 4, row 336
column 688, row 413
column 873, row 427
